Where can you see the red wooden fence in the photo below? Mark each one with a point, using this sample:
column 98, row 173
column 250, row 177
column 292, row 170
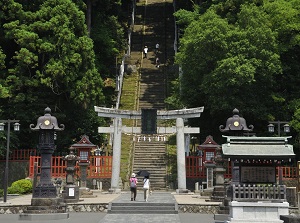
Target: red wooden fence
column 100, row 167
column 195, row 168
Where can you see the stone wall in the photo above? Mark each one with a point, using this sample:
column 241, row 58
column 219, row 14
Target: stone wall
column 200, row 209
column 205, row 209
column 194, row 208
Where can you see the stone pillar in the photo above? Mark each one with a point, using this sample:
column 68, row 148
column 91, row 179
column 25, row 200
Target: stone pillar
column 116, row 156
column 83, row 174
column 45, row 189
column 181, row 172
column 220, row 176
column 71, row 191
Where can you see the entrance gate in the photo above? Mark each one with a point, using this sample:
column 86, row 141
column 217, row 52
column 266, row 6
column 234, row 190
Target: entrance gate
column 117, row 129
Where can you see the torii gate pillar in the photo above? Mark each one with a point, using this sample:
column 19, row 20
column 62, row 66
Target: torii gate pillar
column 116, row 156
column 181, row 172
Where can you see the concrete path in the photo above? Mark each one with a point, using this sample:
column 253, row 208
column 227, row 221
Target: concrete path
column 84, row 217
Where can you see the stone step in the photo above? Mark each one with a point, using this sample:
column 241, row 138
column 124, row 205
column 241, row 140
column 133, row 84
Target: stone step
column 153, row 149
column 154, row 174
column 142, row 208
column 150, row 145
column 159, row 155
column 152, row 157
column 159, row 152
column 143, row 155
column 150, row 164
column 153, row 171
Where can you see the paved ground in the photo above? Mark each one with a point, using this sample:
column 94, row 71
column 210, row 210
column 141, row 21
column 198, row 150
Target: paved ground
column 121, row 218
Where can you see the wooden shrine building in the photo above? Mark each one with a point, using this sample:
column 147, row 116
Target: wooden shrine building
column 257, row 195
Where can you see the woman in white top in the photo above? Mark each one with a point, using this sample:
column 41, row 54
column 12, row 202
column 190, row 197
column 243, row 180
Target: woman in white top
column 146, row 188
column 145, row 51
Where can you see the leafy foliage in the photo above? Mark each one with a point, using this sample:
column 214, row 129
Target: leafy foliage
column 23, row 186
column 47, row 59
column 241, row 54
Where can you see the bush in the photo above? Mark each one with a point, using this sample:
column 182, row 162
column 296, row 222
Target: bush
column 1, row 193
column 23, row 186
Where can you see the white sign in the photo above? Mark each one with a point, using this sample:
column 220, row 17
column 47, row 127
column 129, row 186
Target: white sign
column 71, row 192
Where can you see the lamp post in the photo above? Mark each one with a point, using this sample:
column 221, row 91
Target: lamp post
column 193, row 139
column 286, row 129
column 16, row 128
column 271, row 127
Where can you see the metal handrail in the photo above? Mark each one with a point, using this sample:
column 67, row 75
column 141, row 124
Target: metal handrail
column 120, row 76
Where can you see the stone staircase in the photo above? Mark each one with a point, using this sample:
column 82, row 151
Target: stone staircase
column 151, row 156
column 154, row 23
column 159, row 202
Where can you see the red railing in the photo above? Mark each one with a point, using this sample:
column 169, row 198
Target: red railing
column 100, row 167
column 195, row 168
column 288, row 172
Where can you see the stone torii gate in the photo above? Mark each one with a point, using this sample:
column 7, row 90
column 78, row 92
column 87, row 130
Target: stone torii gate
column 117, row 129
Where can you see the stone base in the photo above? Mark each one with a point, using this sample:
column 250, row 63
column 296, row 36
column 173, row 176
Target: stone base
column 257, row 212
column 86, row 193
column 42, row 217
column 182, row 191
column 46, row 201
column 114, row 191
column 71, row 193
column 44, row 191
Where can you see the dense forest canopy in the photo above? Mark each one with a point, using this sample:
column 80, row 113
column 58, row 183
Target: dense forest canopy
column 62, row 54
column 48, row 58
column 240, row 54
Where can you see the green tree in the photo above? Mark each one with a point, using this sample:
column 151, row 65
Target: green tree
column 230, row 63
column 51, row 63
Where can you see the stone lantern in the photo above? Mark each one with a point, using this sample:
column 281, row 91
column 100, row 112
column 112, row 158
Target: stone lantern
column 71, row 191
column 46, row 126
column 84, row 148
column 45, row 204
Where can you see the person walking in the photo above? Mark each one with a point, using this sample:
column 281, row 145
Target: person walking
column 133, row 182
column 145, row 51
column 146, row 188
column 157, row 48
column 157, row 62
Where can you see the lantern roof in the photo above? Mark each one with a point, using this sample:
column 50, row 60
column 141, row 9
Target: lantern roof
column 236, row 124
column 48, row 122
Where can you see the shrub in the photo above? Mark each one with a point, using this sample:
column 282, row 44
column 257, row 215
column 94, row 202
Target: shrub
column 1, row 193
column 23, row 186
